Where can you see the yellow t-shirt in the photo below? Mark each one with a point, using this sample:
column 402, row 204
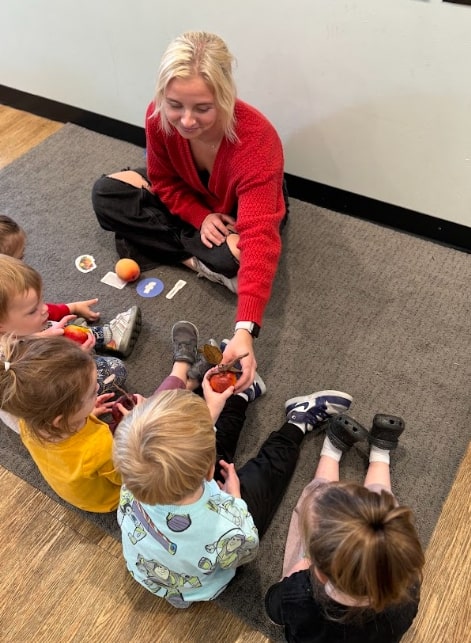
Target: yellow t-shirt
column 79, row 468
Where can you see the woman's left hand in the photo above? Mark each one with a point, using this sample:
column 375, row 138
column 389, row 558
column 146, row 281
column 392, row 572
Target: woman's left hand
column 215, row 228
column 240, row 344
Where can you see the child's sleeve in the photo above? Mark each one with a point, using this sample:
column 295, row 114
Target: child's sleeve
column 57, row 311
column 108, row 471
column 273, row 605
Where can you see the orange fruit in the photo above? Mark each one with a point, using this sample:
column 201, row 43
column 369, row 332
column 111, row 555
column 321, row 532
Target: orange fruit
column 220, row 381
column 127, row 269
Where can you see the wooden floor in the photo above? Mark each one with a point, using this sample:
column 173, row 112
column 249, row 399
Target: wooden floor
column 64, row 580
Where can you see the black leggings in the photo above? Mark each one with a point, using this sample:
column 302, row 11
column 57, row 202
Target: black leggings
column 264, row 478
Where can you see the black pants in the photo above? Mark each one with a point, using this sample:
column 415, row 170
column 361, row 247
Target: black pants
column 147, row 232
column 264, row 478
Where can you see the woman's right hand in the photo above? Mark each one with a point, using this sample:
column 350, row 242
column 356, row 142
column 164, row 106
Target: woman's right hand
column 215, row 228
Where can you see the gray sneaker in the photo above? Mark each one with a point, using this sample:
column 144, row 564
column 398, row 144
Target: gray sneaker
column 201, row 366
column 185, row 342
column 125, row 329
column 204, row 271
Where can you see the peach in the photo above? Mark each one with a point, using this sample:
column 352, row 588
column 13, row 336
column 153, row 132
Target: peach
column 127, row 269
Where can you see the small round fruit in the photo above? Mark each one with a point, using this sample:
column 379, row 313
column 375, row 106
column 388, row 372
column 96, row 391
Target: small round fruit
column 127, row 269
column 77, row 334
column 221, row 381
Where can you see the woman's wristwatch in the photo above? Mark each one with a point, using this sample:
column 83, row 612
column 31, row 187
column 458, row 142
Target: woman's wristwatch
column 251, row 327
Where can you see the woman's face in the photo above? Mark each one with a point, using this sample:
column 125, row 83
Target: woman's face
column 190, row 107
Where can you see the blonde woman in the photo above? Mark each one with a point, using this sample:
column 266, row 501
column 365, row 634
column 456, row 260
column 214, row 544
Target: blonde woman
column 212, row 196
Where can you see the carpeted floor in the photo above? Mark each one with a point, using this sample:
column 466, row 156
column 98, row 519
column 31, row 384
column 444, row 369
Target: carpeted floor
column 356, row 307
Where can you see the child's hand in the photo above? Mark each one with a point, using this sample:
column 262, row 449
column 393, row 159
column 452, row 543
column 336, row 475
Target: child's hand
column 215, row 401
column 137, row 398
column 89, row 343
column 231, row 482
column 103, row 404
column 56, row 328
column 82, row 309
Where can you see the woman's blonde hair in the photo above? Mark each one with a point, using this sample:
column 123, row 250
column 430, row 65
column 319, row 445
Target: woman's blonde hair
column 16, row 279
column 166, row 447
column 198, row 53
column 364, row 543
column 42, row 378
column 12, row 236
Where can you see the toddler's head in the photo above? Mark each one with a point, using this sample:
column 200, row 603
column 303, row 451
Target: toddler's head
column 49, row 382
column 363, row 543
column 12, row 238
column 166, row 447
column 22, row 310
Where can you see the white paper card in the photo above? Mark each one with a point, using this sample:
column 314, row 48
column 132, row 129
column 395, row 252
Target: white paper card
column 112, row 279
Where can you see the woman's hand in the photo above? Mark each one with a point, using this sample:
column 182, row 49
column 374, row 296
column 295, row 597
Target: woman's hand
column 83, row 309
column 231, row 482
column 215, row 401
column 215, row 228
column 242, row 343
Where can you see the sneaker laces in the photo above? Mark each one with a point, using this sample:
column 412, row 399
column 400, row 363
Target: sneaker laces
column 316, row 414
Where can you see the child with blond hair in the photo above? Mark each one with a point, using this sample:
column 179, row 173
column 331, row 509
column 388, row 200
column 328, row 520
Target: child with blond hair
column 188, row 518
column 353, row 560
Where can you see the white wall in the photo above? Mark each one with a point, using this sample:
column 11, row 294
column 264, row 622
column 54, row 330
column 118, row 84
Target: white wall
column 371, row 96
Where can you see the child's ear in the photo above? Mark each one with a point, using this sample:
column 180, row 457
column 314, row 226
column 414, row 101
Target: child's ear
column 322, row 578
column 56, row 422
column 210, row 474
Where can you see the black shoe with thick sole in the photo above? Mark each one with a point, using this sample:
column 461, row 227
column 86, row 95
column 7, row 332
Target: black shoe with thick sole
column 386, row 430
column 343, row 431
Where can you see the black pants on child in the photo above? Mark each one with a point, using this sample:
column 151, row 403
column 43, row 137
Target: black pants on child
column 264, row 478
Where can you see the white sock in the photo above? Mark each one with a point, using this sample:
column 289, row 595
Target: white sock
column 379, row 455
column 331, row 451
column 107, row 334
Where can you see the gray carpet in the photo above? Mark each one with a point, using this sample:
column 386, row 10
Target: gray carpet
column 356, row 307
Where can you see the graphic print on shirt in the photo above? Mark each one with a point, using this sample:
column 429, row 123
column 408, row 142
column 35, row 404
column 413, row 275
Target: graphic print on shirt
column 125, row 509
column 227, row 508
column 232, row 549
column 158, row 576
column 178, row 522
column 144, row 525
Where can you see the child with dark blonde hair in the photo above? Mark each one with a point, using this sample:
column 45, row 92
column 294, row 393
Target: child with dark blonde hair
column 188, row 518
column 23, row 312
column 51, row 385
column 353, row 560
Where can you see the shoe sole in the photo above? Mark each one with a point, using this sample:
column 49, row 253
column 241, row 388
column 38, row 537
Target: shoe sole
column 130, row 338
column 343, row 427
column 289, row 404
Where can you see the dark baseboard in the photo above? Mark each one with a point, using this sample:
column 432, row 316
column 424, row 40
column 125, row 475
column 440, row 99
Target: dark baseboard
column 424, row 225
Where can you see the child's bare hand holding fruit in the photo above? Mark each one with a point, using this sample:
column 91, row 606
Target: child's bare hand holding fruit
column 214, row 399
column 103, row 404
